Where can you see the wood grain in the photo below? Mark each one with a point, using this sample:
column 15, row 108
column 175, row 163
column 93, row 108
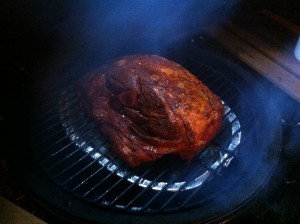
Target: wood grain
column 282, row 21
column 282, row 57
column 258, row 61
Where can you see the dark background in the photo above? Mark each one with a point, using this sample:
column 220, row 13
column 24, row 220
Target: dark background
column 38, row 36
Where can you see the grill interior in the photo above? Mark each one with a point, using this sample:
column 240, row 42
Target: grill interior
column 69, row 180
column 73, row 153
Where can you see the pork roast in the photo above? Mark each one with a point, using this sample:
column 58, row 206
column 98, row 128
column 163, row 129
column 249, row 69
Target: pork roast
column 148, row 106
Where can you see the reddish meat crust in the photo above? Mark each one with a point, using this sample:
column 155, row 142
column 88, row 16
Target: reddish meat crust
column 149, row 106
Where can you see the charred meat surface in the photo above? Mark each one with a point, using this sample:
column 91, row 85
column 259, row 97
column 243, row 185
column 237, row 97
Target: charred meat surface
column 149, row 106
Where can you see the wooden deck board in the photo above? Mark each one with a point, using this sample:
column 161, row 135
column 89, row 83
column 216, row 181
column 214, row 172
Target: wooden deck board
column 274, row 63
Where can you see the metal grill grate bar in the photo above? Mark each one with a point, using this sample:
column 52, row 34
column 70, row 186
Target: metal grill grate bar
column 42, row 154
column 114, row 201
column 76, row 188
column 49, row 111
column 56, row 129
column 84, row 193
column 101, row 181
column 140, row 177
column 54, row 108
column 70, row 165
column 127, row 207
column 43, row 110
column 210, row 173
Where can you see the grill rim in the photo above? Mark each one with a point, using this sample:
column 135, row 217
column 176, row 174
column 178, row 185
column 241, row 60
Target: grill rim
column 32, row 172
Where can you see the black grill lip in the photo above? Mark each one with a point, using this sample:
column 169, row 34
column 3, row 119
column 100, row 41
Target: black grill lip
column 74, row 125
column 207, row 209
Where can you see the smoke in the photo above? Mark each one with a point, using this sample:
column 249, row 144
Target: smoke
column 158, row 20
column 112, row 28
column 77, row 36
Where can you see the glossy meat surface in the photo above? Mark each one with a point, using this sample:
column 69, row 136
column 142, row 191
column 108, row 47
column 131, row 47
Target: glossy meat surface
column 149, row 106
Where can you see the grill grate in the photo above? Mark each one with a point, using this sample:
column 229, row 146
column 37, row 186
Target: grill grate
column 75, row 155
